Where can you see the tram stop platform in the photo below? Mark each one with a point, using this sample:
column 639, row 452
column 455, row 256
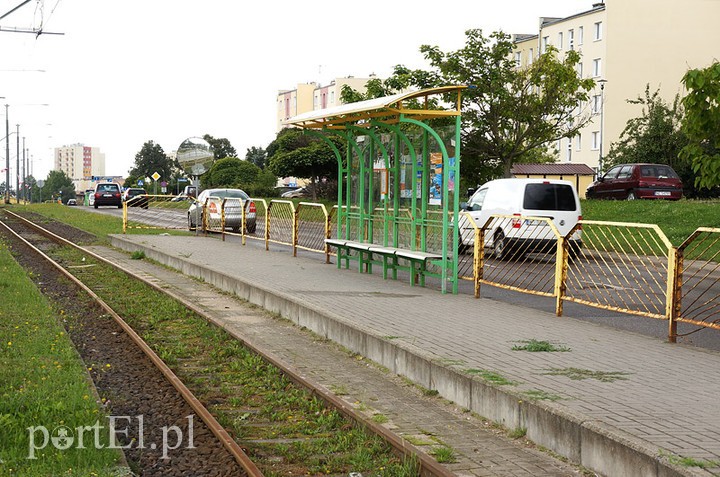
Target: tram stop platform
column 616, row 402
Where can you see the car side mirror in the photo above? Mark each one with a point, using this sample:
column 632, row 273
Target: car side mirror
column 601, row 179
column 463, row 206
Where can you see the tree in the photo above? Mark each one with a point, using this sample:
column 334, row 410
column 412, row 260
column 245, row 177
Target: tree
column 702, row 124
column 58, row 184
column 229, row 171
column 149, row 160
column 221, row 147
column 257, row 156
column 507, row 112
column 656, row 137
column 293, row 153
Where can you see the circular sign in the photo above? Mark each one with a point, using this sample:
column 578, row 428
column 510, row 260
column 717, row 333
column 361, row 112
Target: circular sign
column 195, row 156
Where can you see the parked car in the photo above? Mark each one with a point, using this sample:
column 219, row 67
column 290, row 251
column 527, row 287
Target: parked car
column 555, row 199
column 136, row 197
column 233, row 209
column 108, row 193
column 72, row 202
column 292, row 194
column 637, row 181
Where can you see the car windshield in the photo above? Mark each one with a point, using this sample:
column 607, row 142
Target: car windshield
column 549, row 197
column 107, row 188
column 228, row 193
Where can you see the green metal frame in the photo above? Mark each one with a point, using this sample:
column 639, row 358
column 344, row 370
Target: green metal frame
column 368, row 119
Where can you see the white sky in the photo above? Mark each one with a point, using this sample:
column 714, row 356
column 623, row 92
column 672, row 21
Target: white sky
column 126, row 72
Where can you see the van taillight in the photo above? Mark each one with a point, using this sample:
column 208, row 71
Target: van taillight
column 516, row 222
column 97, row 194
column 251, row 208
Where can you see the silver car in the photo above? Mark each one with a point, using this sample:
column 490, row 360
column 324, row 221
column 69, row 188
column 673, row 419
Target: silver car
column 213, row 200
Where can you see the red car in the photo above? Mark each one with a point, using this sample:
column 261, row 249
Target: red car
column 637, row 181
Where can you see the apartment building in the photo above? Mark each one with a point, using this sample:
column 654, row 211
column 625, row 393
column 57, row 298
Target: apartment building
column 80, row 163
column 626, row 45
column 311, row 96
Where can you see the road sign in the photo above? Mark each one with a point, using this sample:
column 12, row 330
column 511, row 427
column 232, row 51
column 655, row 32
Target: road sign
column 155, row 176
column 140, row 182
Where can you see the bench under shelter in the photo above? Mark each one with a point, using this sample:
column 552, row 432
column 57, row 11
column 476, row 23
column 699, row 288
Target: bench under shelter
column 398, row 181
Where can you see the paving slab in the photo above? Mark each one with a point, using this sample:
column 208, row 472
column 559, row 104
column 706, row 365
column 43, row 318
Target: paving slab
column 617, row 402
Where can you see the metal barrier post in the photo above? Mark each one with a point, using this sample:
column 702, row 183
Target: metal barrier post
column 205, row 217
column 295, row 231
column 242, row 220
column 267, row 225
column 561, row 268
column 222, row 218
column 478, row 258
column 125, row 217
column 674, row 291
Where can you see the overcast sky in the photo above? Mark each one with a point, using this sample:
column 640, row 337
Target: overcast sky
column 126, row 72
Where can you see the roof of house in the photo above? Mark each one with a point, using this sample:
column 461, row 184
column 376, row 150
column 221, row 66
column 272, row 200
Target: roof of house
column 552, row 169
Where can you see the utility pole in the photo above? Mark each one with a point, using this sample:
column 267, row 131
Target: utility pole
column 17, row 164
column 7, row 156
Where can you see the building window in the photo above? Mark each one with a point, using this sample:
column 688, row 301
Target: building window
column 571, row 39
column 596, row 103
column 544, row 44
column 518, row 59
column 597, row 68
column 568, row 153
column 578, row 142
column 580, row 69
column 581, row 30
column 560, row 41
column 598, row 31
column 595, row 140
column 531, row 53
column 332, row 97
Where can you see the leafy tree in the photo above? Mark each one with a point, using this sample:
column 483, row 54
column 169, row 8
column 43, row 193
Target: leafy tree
column 221, row 147
column 293, row 153
column 149, row 160
column 656, row 137
column 507, row 112
column 257, row 156
column 58, row 184
column 702, row 124
column 228, row 171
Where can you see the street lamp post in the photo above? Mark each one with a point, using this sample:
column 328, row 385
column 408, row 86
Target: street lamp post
column 602, row 114
column 7, row 156
column 17, row 164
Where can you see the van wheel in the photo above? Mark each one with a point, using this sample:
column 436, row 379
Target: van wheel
column 500, row 251
column 631, row 196
column 191, row 226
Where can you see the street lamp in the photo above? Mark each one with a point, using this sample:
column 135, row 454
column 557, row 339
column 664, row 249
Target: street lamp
column 602, row 114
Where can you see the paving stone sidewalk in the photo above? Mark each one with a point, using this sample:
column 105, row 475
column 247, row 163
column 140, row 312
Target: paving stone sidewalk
column 655, row 395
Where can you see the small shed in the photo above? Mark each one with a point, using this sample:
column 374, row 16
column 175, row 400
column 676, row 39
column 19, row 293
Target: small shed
column 581, row 175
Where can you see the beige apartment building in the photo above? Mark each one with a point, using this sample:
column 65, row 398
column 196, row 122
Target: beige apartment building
column 311, row 96
column 626, row 45
column 80, row 163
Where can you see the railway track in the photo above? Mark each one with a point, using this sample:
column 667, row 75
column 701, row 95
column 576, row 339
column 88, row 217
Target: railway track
column 252, row 435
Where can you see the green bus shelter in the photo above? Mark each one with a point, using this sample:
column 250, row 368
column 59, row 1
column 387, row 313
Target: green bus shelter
column 398, row 181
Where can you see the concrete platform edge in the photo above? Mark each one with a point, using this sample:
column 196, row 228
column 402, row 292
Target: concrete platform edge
column 571, row 435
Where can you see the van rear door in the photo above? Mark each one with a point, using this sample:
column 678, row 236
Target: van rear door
column 556, row 201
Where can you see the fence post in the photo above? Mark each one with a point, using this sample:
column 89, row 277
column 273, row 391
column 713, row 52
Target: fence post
column 222, row 218
column 327, row 234
column 673, row 296
column 125, row 217
column 478, row 258
column 245, row 204
column 561, row 267
column 295, row 229
column 267, row 225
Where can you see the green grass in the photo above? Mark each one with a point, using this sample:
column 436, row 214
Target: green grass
column 535, row 346
column 676, row 219
column 43, row 382
column 491, row 377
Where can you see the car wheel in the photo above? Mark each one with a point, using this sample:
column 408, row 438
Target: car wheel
column 631, row 195
column 191, row 226
column 499, row 246
column 251, row 228
column 236, row 229
column 95, row 205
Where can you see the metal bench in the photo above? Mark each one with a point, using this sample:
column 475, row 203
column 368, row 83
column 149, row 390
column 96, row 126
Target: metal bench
column 418, row 260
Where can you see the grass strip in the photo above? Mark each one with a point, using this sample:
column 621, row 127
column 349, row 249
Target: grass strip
column 43, row 386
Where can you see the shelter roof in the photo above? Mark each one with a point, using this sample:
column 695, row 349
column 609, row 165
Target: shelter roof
column 386, row 109
column 552, row 169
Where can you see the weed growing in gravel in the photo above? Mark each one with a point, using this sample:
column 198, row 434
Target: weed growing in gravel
column 491, row 377
column 517, row 433
column 444, row 455
column 538, row 395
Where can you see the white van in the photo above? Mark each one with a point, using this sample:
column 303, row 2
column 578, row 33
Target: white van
column 512, row 238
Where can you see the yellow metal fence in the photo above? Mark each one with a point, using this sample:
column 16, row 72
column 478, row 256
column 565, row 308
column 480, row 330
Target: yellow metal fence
column 624, row 267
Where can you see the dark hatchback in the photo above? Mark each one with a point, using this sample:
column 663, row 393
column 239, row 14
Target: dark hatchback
column 136, row 197
column 637, row 181
column 108, row 194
